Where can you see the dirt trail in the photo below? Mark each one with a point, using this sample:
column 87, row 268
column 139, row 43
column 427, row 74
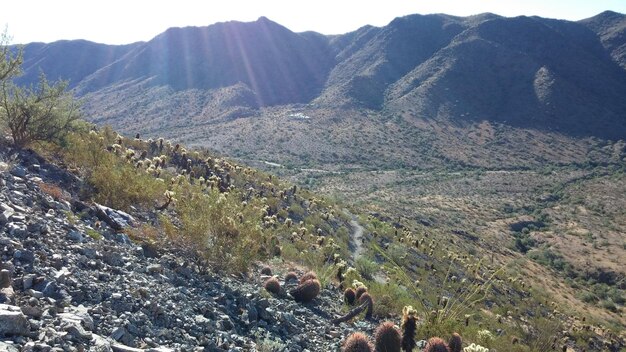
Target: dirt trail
column 356, row 245
column 356, row 240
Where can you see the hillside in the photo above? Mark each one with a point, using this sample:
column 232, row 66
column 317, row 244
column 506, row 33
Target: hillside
column 611, row 28
column 484, row 148
column 69, row 60
column 97, row 256
column 78, row 275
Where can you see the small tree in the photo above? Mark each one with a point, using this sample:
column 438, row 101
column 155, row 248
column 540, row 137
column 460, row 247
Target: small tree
column 45, row 112
column 10, row 61
column 42, row 113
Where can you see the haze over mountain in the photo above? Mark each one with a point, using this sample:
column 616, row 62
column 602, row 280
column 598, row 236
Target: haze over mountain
column 548, row 75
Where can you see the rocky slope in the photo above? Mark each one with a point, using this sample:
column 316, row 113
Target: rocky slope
column 69, row 282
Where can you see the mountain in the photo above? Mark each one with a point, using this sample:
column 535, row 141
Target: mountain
column 528, row 72
column 611, row 29
column 71, row 60
column 549, row 76
column 278, row 65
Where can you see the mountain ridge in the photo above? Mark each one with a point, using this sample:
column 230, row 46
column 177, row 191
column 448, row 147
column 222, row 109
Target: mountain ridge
column 524, row 72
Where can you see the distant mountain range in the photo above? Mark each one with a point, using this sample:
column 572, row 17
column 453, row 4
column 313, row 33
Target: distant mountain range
column 528, row 72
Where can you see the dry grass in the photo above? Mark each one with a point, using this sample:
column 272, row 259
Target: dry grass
column 54, row 191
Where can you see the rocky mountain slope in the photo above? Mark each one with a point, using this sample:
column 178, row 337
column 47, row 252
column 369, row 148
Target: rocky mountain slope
column 71, row 281
column 279, row 66
column 181, row 270
column 611, row 28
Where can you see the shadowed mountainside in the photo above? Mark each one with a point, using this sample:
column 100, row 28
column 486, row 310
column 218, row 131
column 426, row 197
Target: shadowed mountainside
column 278, row 65
column 611, row 28
column 71, row 60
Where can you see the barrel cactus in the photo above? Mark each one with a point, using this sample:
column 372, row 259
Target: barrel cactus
column 357, row 342
column 306, row 291
column 387, row 338
column 272, row 285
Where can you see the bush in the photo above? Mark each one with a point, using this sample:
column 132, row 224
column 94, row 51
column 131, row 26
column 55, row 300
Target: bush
column 46, row 112
column 112, row 181
column 589, row 297
column 208, row 227
column 609, row 305
column 366, row 268
column 201, row 222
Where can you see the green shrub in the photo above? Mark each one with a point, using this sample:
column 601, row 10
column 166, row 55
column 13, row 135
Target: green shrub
column 208, row 227
column 366, row 268
column 112, row 181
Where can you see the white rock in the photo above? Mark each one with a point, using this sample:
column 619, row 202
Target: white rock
column 13, row 321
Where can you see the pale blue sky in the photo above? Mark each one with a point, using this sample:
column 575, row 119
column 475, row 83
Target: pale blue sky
column 119, row 22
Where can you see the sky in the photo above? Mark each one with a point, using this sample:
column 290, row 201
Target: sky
column 127, row 21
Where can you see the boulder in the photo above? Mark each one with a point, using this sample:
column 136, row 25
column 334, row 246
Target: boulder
column 13, row 321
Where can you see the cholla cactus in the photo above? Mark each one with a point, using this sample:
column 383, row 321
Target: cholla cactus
column 409, row 327
column 116, row 148
column 341, row 267
column 129, row 154
column 160, row 140
column 151, row 170
column 484, row 336
column 475, row 348
column 169, row 198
